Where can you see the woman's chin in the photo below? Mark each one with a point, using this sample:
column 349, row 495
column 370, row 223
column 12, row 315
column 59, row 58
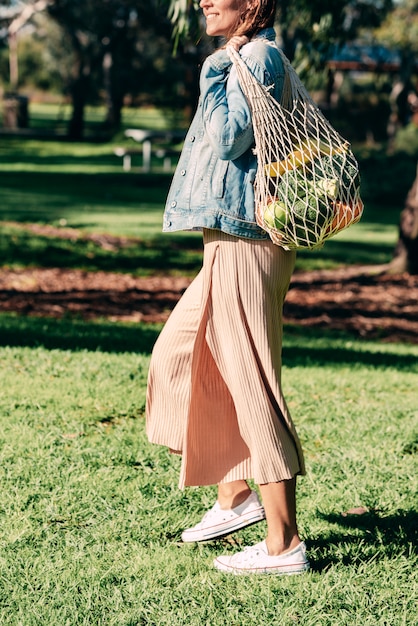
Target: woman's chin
column 212, row 31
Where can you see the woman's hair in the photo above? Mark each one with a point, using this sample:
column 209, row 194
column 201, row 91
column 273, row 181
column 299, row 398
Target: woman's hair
column 257, row 14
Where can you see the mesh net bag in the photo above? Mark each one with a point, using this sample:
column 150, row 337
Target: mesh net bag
column 307, row 186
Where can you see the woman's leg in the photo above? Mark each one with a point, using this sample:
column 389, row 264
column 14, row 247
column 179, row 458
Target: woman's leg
column 231, row 495
column 279, row 501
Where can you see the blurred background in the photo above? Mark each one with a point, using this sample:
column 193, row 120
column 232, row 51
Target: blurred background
column 109, row 86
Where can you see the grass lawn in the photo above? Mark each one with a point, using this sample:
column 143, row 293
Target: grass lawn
column 91, row 515
column 55, row 117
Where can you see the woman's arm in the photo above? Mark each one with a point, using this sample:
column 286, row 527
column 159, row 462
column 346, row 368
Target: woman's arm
column 226, row 114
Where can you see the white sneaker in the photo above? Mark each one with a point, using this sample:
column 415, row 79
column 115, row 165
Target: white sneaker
column 256, row 560
column 219, row 522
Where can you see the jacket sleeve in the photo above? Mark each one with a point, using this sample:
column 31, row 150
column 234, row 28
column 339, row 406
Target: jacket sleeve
column 226, row 113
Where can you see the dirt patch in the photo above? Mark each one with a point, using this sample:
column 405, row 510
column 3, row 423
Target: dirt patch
column 358, row 300
column 61, row 292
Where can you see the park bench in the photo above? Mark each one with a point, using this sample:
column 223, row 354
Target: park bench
column 147, row 138
column 126, row 154
column 166, row 154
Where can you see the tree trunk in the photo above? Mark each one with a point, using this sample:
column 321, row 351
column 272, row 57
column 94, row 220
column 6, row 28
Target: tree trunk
column 79, row 89
column 405, row 256
column 78, row 96
column 114, row 96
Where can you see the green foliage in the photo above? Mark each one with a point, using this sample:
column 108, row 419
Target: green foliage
column 133, row 39
column 406, row 140
column 91, row 514
column 4, row 66
column 386, row 179
column 44, row 57
column 93, row 51
column 400, row 28
column 184, row 18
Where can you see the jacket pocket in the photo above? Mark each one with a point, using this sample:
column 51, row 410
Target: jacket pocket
column 219, row 178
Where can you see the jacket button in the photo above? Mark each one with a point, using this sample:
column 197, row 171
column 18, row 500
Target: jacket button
column 192, row 138
column 173, row 204
column 183, row 172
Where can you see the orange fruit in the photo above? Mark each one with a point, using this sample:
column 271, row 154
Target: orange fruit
column 345, row 215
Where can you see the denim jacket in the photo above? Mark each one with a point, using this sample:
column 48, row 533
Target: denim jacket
column 212, row 186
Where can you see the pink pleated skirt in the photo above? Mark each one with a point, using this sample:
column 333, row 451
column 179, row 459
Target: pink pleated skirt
column 214, row 386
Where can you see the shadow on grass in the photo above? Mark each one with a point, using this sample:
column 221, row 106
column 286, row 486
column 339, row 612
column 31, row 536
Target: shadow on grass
column 179, row 253
column 76, row 334
column 176, row 251
column 309, row 356
column 311, row 347
column 67, row 334
column 47, row 196
column 387, row 537
column 346, row 253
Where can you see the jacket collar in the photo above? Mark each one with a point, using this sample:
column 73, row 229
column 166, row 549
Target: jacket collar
column 266, row 33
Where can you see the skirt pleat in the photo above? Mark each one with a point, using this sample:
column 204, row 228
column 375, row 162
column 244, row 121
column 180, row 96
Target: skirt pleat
column 214, row 386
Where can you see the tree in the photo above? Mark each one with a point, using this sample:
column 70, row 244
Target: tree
column 16, row 19
column 101, row 35
column 405, row 258
column 119, row 47
column 400, row 30
column 108, row 50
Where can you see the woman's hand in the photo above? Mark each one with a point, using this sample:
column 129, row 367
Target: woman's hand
column 238, row 41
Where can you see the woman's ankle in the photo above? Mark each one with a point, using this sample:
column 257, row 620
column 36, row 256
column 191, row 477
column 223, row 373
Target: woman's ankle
column 231, row 495
column 280, row 545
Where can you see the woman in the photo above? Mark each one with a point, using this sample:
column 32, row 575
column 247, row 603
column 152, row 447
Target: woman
column 214, row 390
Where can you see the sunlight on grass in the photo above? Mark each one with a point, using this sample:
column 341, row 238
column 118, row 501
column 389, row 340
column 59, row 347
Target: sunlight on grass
column 89, row 505
column 143, row 221
column 131, row 117
column 383, row 233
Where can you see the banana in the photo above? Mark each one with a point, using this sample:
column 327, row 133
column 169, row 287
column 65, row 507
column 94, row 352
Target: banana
column 301, row 155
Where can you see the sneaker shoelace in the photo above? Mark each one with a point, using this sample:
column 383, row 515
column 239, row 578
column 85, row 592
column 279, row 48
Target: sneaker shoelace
column 214, row 511
column 248, row 554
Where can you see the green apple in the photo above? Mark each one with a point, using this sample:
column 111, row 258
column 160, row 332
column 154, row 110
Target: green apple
column 275, row 215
